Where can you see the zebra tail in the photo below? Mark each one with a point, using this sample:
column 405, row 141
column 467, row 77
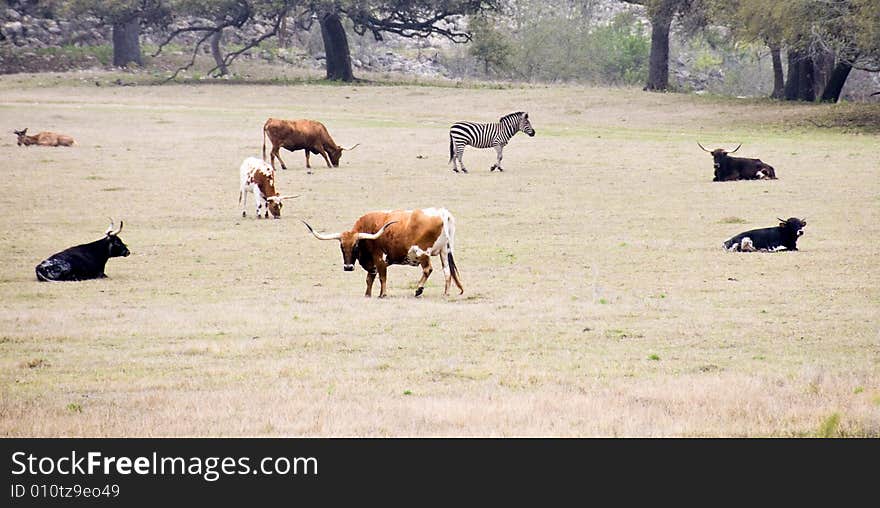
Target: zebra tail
column 451, row 152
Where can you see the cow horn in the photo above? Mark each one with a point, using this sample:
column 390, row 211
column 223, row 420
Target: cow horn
column 111, row 231
column 377, row 234
column 701, row 146
column 352, row 148
column 288, row 197
column 735, row 149
column 334, row 236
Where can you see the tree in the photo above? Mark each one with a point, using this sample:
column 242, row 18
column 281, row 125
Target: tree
column 212, row 17
column 662, row 13
column 407, row 18
column 336, row 51
column 126, row 18
column 824, row 40
column 488, row 45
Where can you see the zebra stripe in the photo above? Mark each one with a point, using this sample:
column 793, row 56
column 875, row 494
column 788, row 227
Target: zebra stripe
column 486, row 135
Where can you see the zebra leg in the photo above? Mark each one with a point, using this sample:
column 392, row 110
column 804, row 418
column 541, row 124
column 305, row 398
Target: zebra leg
column 497, row 165
column 459, row 152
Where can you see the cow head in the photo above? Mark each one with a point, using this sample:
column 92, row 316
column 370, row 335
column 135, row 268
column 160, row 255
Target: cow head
column 275, row 203
column 719, row 155
column 336, row 154
column 525, row 125
column 116, row 247
column 793, row 226
column 21, row 135
column 349, row 242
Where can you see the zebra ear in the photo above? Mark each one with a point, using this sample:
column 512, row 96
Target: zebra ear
column 526, row 115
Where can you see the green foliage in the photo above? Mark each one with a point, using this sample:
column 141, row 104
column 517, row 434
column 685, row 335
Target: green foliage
column 489, row 45
column 830, row 426
column 553, row 46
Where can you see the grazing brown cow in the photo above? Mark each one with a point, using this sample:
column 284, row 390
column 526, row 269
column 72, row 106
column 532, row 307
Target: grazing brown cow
column 259, row 178
column 307, row 135
column 399, row 237
column 44, row 138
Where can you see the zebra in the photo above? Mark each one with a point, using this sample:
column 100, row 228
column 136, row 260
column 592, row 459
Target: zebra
column 485, row 135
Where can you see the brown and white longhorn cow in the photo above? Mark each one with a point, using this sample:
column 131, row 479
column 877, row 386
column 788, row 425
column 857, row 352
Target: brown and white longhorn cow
column 307, row 135
column 258, row 177
column 399, row 237
column 44, row 138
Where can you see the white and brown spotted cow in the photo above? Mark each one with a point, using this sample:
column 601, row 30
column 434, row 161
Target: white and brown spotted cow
column 257, row 176
column 399, row 237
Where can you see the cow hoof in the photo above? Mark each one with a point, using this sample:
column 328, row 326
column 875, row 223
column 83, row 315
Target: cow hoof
column 463, row 170
column 382, row 296
column 419, row 292
column 455, row 170
column 244, row 214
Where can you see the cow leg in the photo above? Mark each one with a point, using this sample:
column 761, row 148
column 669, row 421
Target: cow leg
column 426, row 272
column 276, row 153
column 308, row 164
column 382, row 268
column 371, row 276
column 242, row 200
column 326, row 158
column 497, row 165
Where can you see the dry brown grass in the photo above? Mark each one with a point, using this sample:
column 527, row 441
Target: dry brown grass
column 597, row 303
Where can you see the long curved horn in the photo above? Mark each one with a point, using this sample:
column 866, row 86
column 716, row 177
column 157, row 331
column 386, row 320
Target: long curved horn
column 701, row 146
column 110, row 228
column 352, row 148
column 735, row 149
column 334, row 236
column 783, row 221
column 288, row 197
column 377, row 234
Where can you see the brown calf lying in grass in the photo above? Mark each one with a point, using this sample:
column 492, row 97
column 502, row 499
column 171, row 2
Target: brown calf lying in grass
column 44, row 138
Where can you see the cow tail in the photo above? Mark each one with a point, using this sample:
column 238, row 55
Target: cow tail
column 264, row 139
column 449, row 229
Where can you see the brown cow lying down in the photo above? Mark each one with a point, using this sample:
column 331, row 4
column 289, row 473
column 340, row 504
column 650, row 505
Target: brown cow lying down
column 44, row 138
column 307, row 135
column 400, row 237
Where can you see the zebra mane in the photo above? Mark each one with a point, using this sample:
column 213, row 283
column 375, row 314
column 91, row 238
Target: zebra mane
column 511, row 116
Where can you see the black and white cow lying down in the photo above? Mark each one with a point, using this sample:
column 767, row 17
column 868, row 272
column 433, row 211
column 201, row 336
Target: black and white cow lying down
column 86, row 261
column 782, row 237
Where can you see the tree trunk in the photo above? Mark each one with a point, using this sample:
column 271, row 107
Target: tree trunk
column 799, row 85
column 336, row 49
column 216, row 39
column 126, row 43
column 283, row 36
column 778, row 77
column 835, row 82
column 658, row 70
column 823, row 66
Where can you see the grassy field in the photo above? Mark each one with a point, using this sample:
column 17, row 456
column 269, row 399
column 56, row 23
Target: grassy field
column 597, row 302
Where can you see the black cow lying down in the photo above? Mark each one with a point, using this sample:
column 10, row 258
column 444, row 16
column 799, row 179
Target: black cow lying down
column 729, row 168
column 84, row 261
column 782, row 237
